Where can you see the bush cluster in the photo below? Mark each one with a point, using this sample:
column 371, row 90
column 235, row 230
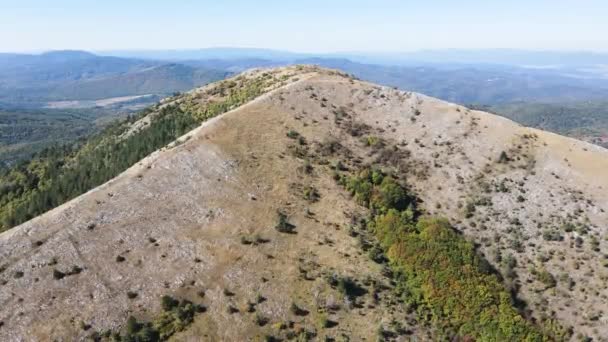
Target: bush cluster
column 175, row 317
column 437, row 272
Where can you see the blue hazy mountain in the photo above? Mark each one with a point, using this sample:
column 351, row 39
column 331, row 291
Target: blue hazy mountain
column 220, row 53
column 552, row 90
column 464, row 76
column 79, row 75
column 443, row 56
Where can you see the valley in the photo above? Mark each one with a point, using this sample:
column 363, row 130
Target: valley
column 145, row 100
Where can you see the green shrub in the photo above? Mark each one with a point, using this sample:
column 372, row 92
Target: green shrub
column 132, row 325
column 469, row 210
column 569, row 227
column 246, row 240
column 176, row 316
column 376, row 254
column 293, row 134
column 552, row 235
column 260, row 319
column 378, row 191
column 503, row 158
column 296, row 310
column 392, row 195
column 311, row 194
column 283, row 225
column 57, row 274
column 349, row 288
column 322, row 321
column 168, row 303
column 547, row 279
column 372, row 141
column 595, row 244
column 447, row 280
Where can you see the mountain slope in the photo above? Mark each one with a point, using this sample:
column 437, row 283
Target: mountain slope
column 199, row 220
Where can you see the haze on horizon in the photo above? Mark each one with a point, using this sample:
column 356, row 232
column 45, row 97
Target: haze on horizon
column 313, row 26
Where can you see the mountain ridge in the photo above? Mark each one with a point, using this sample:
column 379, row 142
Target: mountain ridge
column 225, row 180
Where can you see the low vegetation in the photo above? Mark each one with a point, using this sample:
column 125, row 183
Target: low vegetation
column 175, row 317
column 437, row 272
column 60, row 173
column 283, row 224
column 25, row 132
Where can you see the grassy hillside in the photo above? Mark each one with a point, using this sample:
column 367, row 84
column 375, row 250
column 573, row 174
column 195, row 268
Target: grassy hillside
column 536, row 98
column 58, row 174
column 311, row 213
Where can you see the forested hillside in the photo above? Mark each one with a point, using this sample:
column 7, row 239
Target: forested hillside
column 24, row 132
column 586, row 120
column 58, row 174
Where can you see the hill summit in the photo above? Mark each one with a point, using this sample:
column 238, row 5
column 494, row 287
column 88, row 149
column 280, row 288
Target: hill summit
column 319, row 206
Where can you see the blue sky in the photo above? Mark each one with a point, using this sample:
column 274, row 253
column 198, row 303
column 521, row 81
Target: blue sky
column 313, row 25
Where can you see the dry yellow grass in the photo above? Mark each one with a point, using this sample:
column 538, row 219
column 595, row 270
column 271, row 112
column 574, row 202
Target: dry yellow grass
column 178, row 218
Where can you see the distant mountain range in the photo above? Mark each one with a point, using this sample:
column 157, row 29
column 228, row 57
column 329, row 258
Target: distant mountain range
column 483, row 77
column 31, row 80
column 481, row 84
column 543, row 89
column 52, row 68
column 444, row 56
